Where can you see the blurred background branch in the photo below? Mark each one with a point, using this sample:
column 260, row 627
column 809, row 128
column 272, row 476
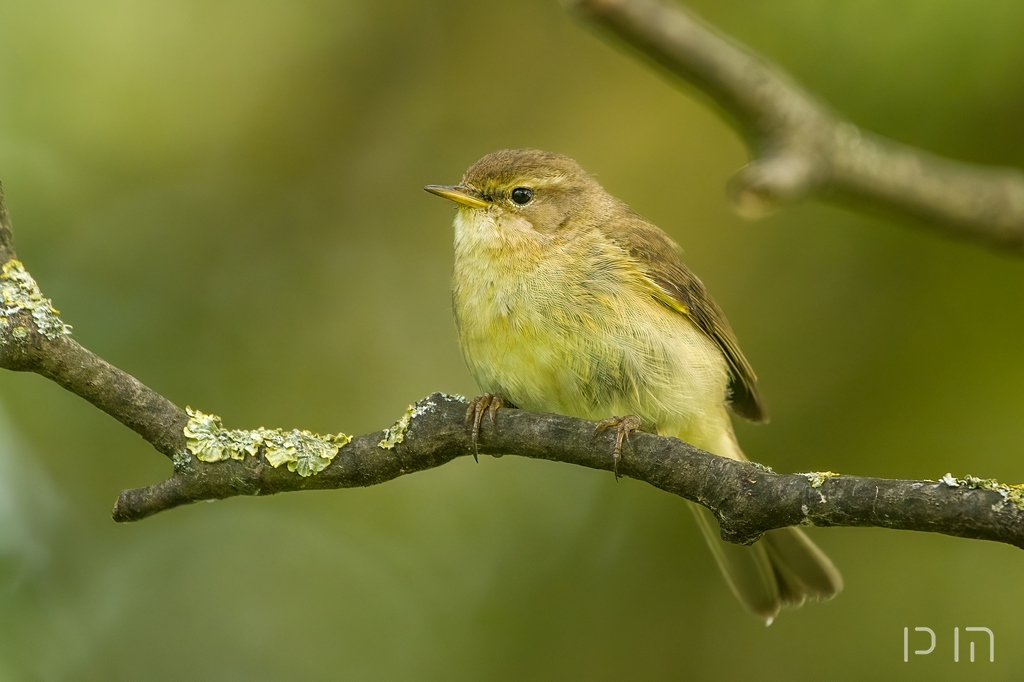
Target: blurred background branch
column 802, row 148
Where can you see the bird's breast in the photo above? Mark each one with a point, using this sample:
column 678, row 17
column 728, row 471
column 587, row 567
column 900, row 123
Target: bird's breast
column 569, row 327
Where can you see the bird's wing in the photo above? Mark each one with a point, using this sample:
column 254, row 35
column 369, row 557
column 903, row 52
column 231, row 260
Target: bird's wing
column 676, row 287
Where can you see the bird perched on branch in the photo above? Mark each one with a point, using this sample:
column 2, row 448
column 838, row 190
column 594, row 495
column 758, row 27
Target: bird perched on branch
column 567, row 301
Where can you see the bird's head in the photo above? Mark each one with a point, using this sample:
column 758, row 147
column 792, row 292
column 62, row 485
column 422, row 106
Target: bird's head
column 528, row 189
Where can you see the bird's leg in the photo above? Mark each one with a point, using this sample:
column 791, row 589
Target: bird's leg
column 623, row 427
column 489, row 403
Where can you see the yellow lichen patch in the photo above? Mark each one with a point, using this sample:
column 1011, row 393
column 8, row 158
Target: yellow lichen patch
column 18, row 293
column 207, row 439
column 304, row 452
column 817, row 478
column 395, row 434
column 1014, row 494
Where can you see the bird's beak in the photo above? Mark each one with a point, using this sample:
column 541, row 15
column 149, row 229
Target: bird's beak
column 458, row 194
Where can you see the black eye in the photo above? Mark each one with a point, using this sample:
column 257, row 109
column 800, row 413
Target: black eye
column 522, row 195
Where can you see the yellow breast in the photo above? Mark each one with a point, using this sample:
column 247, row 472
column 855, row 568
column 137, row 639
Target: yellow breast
column 570, row 326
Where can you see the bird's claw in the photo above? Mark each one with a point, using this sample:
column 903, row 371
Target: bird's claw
column 623, row 427
column 489, row 403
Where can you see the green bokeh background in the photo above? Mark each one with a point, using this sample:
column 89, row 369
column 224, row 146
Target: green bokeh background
column 224, row 199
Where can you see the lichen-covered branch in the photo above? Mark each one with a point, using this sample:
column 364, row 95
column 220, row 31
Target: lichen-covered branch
column 213, row 462
column 34, row 339
column 801, row 148
column 748, row 498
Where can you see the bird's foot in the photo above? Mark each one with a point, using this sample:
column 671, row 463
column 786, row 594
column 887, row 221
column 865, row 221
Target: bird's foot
column 488, row 403
column 623, row 427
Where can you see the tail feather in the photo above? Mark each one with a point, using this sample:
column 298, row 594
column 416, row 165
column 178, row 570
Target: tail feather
column 783, row 569
column 803, row 570
column 747, row 570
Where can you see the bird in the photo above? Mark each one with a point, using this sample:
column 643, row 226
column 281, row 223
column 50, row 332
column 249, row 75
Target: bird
column 567, row 301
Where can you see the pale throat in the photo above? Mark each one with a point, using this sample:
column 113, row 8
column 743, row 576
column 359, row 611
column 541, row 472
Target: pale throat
column 493, row 228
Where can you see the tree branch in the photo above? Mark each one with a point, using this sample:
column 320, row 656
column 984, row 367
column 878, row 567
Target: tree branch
column 747, row 498
column 801, row 148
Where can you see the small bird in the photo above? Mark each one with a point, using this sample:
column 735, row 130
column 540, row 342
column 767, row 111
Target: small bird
column 567, row 301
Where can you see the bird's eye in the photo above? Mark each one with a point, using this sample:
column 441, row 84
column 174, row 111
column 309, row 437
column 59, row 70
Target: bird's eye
column 522, row 195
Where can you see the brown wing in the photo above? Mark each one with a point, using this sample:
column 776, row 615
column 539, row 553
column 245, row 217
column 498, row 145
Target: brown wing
column 661, row 259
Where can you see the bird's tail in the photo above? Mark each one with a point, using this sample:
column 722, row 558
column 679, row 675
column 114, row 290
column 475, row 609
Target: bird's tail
column 784, row 568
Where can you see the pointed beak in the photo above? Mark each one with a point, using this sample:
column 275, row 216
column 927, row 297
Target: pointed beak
column 458, row 194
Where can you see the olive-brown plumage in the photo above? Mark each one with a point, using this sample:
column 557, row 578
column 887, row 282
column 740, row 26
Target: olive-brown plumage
column 568, row 301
